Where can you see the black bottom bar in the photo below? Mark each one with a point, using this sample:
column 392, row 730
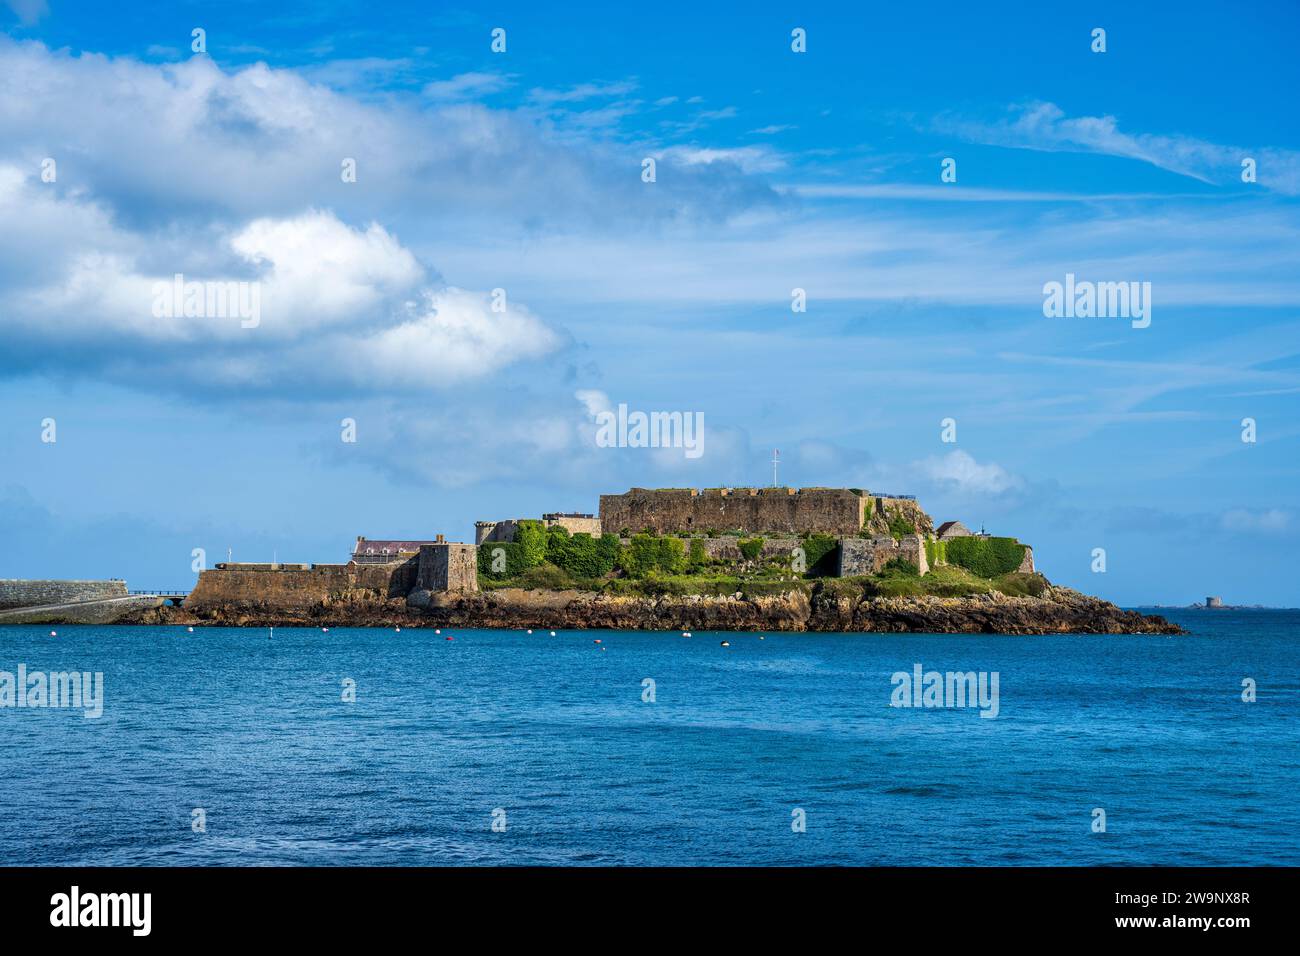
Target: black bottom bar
column 366, row 904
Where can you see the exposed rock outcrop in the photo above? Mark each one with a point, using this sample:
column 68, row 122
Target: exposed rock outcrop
column 1059, row 610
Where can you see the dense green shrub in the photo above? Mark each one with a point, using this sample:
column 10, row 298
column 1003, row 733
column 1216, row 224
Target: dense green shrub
column 899, row 525
column 546, row 577
column 986, row 557
column 515, row 561
column 751, row 548
column 672, row 555
column 531, row 536
column 698, row 557
column 901, row 566
column 647, row 553
column 581, row 555
column 638, row 558
column 819, row 552
column 607, row 548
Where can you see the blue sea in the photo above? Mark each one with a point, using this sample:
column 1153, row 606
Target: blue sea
column 550, row 738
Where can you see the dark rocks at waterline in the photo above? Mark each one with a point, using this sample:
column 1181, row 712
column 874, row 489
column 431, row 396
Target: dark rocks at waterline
column 1058, row 611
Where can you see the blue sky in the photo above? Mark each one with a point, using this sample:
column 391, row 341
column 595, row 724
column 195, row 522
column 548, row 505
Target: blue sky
column 776, row 170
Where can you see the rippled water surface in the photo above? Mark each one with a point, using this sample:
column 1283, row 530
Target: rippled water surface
column 554, row 731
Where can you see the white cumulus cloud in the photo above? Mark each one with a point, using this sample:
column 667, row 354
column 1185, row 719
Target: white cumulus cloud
column 959, row 470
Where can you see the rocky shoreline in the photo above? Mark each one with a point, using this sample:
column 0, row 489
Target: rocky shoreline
column 1058, row 611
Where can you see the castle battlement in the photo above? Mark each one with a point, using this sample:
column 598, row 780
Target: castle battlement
column 776, row 510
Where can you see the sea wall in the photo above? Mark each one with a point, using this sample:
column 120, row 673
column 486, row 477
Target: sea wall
column 116, row 610
column 18, row 593
column 322, row 584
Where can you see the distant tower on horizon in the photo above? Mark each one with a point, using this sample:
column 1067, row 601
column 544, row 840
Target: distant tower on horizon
column 1214, row 602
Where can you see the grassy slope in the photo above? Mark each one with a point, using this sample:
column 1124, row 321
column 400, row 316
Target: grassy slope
column 942, row 581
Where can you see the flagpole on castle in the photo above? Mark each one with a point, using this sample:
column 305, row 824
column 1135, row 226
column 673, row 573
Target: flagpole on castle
column 776, row 460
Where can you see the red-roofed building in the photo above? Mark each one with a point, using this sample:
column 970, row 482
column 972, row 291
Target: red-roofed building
column 379, row 551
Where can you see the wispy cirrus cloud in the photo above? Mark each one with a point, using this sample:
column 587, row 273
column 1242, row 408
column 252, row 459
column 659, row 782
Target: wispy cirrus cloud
column 1045, row 126
column 582, row 92
column 467, row 86
column 28, row 11
column 750, row 159
column 1256, row 521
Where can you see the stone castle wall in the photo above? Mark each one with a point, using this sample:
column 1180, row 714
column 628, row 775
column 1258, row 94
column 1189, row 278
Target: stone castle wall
column 575, row 524
column 727, row 548
column 448, row 567
column 505, row 530
column 869, row 555
column 752, row 510
column 16, row 593
column 291, row 589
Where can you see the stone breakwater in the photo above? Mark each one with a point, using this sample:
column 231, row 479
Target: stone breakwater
column 1059, row 611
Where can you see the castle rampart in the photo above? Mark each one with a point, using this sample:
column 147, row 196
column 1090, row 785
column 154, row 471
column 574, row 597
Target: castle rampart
column 839, row 511
column 235, row 585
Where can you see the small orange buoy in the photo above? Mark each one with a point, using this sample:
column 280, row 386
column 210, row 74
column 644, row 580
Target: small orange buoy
column 598, row 640
column 449, row 638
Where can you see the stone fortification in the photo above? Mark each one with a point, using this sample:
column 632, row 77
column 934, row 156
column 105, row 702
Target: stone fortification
column 448, row 567
column 794, row 511
column 504, row 530
column 869, row 555
column 236, row 586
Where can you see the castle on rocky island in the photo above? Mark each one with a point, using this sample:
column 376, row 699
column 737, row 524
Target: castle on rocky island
column 869, row 530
